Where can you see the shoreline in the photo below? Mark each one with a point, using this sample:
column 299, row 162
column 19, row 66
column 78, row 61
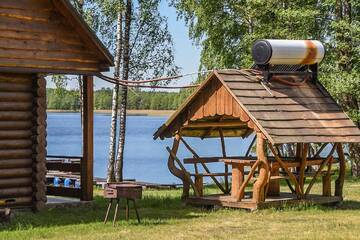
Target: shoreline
column 129, row 112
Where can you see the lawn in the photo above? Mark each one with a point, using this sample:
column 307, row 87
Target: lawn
column 165, row 217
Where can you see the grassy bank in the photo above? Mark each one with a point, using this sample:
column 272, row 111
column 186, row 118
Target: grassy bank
column 129, row 112
column 165, row 217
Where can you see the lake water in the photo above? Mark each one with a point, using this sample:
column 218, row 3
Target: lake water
column 145, row 159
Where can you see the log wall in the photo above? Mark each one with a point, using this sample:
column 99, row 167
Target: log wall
column 23, row 139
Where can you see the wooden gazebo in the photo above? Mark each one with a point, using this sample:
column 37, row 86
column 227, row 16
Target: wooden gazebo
column 39, row 37
column 295, row 122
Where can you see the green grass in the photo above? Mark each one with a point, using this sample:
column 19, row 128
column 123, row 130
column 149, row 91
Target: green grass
column 165, row 217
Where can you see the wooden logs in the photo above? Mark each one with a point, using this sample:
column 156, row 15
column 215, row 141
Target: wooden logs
column 339, row 183
column 259, row 185
column 15, row 192
column 15, row 163
column 39, row 143
column 16, row 182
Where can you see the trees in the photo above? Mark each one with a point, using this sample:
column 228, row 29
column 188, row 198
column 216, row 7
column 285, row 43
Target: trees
column 226, row 30
column 147, row 51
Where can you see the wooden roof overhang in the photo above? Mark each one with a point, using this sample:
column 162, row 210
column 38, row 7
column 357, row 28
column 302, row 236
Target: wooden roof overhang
column 48, row 36
column 236, row 100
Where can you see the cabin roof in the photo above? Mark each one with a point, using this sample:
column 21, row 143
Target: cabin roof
column 49, row 36
column 283, row 113
column 65, row 7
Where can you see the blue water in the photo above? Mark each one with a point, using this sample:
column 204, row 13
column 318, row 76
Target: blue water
column 145, row 159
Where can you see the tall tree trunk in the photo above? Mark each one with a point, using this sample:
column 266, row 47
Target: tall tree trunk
column 124, row 93
column 80, row 6
column 115, row 101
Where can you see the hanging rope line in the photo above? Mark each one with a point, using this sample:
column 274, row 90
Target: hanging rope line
column 139, row 83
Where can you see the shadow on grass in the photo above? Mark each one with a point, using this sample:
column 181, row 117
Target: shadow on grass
column 154, row 210
column 348, row 205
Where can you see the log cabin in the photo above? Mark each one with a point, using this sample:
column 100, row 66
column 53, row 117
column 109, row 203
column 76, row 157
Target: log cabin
column 41, row 37
column 298, row 132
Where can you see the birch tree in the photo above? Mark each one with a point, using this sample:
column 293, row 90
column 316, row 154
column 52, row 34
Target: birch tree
column 147, row 52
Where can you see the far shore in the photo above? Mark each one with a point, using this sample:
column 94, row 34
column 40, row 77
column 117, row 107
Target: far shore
column 129, row 112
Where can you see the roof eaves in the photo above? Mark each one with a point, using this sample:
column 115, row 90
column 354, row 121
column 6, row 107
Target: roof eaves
column 79, row 20
column 160, row 131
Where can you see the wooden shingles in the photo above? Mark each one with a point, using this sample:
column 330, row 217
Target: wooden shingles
column 283, row 113
column 292, row 113
column 48, row 36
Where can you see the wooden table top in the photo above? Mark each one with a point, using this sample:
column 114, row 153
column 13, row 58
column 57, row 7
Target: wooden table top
column 248, row 162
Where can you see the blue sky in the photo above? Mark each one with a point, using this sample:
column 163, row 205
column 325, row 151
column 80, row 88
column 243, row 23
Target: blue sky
column 187, row 56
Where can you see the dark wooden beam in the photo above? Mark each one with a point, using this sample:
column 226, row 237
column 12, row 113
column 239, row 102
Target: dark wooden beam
column 88, row 140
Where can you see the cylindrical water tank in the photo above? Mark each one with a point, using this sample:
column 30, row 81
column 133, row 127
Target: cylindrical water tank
column 288, row 52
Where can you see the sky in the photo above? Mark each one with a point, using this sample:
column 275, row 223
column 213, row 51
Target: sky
column 187, row 55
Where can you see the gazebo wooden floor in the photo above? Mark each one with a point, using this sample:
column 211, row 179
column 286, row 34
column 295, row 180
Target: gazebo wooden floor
column 285, row 199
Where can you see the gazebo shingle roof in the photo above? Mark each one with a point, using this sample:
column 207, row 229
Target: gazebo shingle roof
column 283, row 113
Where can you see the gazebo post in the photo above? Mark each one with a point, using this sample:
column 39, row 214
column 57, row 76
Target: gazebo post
column 174, row 170
column 87, row 160
column 259, row 185
column 339, row 183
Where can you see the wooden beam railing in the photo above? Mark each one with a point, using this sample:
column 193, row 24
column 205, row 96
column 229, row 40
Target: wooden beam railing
column 63, row 167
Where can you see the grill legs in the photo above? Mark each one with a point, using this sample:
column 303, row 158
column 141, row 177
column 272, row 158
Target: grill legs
column 127, row 210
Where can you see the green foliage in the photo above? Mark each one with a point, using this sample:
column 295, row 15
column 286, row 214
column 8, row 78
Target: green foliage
column 69, row 100
column 227, row 29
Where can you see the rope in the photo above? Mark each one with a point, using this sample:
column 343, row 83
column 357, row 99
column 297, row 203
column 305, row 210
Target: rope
column 137, row 83
column 140, row 83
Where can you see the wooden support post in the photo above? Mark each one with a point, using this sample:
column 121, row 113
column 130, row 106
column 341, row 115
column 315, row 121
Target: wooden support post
column 39, row 146
column 274, row 185
column 326, row 185
column 240, row 194
column 176, row 171
column 339, row 183
column 223, row 148
column 259, row 185
column 87, row 161
column 326, row 181
column 187, row 175
column 199, row 183
column 303, row 166
column 237, row 180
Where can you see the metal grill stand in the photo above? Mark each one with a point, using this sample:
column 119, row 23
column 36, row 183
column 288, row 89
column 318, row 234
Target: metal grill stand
column 116, row 191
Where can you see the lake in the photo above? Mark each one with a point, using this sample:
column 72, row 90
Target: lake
column 145, row 159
